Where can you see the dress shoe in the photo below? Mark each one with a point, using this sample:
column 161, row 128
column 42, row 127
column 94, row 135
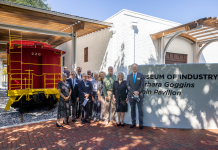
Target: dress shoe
column 87, row 121
column 83, row 121
column 74, row 120
column 123, row 124
column 106, row 122
column 95, row 119
column 58, row 125
column 140, row 127
column 65, row 123
column 118, row 124
column 132, row 126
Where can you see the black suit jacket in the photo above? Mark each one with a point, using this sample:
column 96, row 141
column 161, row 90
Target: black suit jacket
column 137, row 86
column 75, row 91
column 77, row 79
column 83, row 90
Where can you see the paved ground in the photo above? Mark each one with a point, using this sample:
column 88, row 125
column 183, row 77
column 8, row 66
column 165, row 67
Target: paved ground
column 96, row 136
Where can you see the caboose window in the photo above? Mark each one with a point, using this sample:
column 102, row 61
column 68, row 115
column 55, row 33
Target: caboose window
column 86, row 54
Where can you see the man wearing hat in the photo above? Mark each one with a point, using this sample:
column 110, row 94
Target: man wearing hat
column 67, row 72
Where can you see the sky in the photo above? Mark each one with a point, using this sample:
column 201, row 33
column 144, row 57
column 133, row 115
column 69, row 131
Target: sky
column 181, row 11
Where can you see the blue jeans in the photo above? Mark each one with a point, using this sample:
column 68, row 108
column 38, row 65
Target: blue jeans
column 96, row 106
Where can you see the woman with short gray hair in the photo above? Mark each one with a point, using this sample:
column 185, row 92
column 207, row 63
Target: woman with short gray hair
column 120, row 95
column 63, row 104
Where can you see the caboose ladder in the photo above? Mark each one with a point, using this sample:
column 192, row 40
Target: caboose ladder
column 12, row 99
column 13, row 38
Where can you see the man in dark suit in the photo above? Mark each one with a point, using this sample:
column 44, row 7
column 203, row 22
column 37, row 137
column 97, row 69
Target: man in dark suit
column 78, row 75
column 85, row 90
column 74, row 95
column 78, row 79
column 135, row 85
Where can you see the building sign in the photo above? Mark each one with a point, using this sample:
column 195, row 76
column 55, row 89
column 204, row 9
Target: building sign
column 180, row 96
column 172, row 85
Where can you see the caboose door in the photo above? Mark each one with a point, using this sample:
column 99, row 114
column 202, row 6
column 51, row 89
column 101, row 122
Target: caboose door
column 37, row 77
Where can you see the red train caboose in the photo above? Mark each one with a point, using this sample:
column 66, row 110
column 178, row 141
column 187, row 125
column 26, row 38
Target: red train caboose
column 34, row 69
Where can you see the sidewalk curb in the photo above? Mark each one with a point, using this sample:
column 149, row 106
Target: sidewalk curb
column 4, row 127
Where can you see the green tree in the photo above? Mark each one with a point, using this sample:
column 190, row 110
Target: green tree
column 34, row 3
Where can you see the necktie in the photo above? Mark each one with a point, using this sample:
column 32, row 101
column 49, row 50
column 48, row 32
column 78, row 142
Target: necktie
column 134, row 77
column 73, row 83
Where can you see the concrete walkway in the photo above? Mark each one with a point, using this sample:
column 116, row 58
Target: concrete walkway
column 97, row 136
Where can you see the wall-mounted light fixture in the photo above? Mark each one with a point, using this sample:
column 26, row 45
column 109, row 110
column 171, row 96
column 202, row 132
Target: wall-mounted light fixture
column 134, row 25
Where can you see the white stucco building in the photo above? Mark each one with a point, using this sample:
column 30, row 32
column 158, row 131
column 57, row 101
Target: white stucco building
column 128, row 41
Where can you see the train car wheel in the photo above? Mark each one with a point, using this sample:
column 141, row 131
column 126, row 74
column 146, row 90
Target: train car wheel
column 50, row 102
column 16, row 104
column 21, row 105
column 55, row 99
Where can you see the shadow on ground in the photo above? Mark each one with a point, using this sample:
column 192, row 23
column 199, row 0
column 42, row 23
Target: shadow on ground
column 96, row 136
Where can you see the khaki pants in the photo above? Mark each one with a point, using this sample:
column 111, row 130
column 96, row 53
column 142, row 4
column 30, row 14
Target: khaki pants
column 110, row 104
column 102, row 107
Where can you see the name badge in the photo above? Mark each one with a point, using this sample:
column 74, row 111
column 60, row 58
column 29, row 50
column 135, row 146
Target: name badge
column 68, row 85
column 138, row 78
column 87, row 85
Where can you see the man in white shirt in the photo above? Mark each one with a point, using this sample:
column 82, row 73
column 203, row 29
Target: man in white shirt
column 74, row 94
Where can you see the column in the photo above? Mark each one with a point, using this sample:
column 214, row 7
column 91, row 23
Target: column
column 1, row 71
column 74, row 35
column 195, row 52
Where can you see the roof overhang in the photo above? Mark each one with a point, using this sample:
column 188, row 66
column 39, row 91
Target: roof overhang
column 199, row 31
column 43, row 25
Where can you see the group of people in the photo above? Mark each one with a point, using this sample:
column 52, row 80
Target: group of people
column 99, row 96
